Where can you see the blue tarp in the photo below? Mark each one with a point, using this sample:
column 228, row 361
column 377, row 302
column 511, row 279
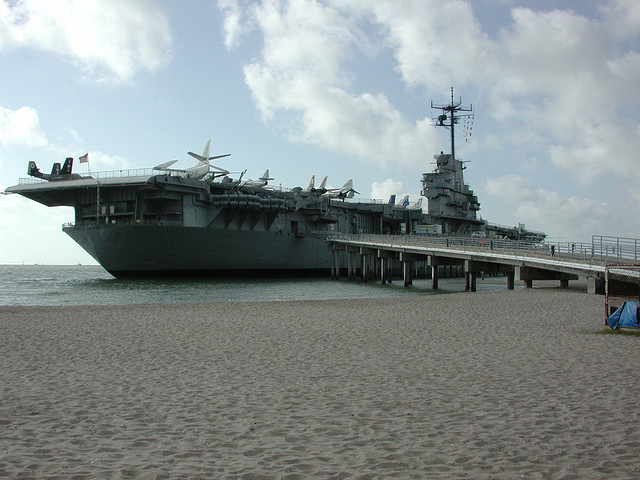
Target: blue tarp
column 625, row 316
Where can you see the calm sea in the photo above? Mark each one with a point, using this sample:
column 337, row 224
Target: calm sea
column 92, row 285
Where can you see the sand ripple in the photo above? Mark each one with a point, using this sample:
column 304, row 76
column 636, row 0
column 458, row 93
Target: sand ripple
column 490, row 385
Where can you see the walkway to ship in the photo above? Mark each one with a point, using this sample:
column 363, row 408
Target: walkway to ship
column 374, row 256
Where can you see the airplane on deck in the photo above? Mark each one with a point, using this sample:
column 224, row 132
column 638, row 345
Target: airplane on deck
column 416, row 206
column 311, row 190
column 261, row 182
column 346, row 191
column 201, row 169
column 404, row 203
column 57, row 172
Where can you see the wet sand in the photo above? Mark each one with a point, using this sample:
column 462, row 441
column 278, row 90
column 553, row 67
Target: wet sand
column 477, row 385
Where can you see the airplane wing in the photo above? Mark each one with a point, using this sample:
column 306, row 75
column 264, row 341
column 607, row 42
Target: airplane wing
column 219, row 156
column 165, row 165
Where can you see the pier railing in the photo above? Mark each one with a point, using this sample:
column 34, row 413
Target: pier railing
column 602, row 249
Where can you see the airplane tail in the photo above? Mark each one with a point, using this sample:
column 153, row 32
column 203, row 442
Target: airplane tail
column 311, row 183
column 348, row 188
column 323, row 185
column 205, row 154
column 204, row 158
column 55, row 170
column 33, row 170
column 392, row 200
column 265, row 176
column 67, row 167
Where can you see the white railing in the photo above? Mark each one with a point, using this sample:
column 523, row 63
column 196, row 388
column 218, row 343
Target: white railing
column 621, row 248
column 129, row 172
column 601, row 250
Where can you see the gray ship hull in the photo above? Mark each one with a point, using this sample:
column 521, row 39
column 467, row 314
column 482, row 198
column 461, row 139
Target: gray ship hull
column 155, row 250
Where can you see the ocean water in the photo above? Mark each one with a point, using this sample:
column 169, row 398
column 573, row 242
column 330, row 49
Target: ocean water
column 92, row 285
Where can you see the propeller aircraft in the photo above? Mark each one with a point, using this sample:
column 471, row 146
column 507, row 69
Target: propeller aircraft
column 57, row 172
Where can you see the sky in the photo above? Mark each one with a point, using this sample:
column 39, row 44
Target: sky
column 329, row 87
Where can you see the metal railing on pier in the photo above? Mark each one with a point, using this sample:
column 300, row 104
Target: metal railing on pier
column 602, row 250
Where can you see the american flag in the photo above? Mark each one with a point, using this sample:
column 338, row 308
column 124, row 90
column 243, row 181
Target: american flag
column 84, row 158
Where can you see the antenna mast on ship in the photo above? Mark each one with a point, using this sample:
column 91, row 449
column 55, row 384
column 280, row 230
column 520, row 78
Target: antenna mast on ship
column 450, row 115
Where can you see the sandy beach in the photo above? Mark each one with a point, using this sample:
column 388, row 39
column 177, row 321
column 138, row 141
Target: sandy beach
column 507, row 384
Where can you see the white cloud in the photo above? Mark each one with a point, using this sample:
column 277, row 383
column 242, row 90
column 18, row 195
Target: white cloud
column 233, row 22
column 111, row 39
column 548, row 52
column 537, row 75
column 21, row 127
column 427, row 51
column 600, row 148
column 569, row 217
column 623, row 17
column 32, row 233
column 104, row 161
column 386, row 189
column 302, row 83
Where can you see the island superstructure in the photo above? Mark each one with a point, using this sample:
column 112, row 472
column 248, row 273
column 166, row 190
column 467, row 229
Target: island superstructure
column 452, row 203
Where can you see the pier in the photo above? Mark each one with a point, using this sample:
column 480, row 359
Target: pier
column 374, row 257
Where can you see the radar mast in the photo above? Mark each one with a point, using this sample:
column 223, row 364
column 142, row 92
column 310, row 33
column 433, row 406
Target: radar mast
column 450, row 117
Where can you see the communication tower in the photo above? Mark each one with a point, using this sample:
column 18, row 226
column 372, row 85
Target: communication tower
column 450, row 117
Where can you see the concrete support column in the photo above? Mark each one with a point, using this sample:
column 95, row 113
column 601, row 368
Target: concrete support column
column 365, row 268
column 386, row 265
column 408, row 265
column 435, row 274
column 511, row 280
column 337, row 263
column 370, row 267
column 383, row 270
column 529, row 274
column 472, row 281
column 407, row 268
column 472, row 268
column 369, row 256
column 333, row 264
column 595, row 285
column 434, row 277
column 352, row 265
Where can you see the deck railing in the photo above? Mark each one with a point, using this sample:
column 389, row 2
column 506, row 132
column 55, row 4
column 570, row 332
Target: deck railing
column 129, row 172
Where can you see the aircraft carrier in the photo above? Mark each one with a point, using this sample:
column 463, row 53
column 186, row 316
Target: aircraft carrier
column 201, row 221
